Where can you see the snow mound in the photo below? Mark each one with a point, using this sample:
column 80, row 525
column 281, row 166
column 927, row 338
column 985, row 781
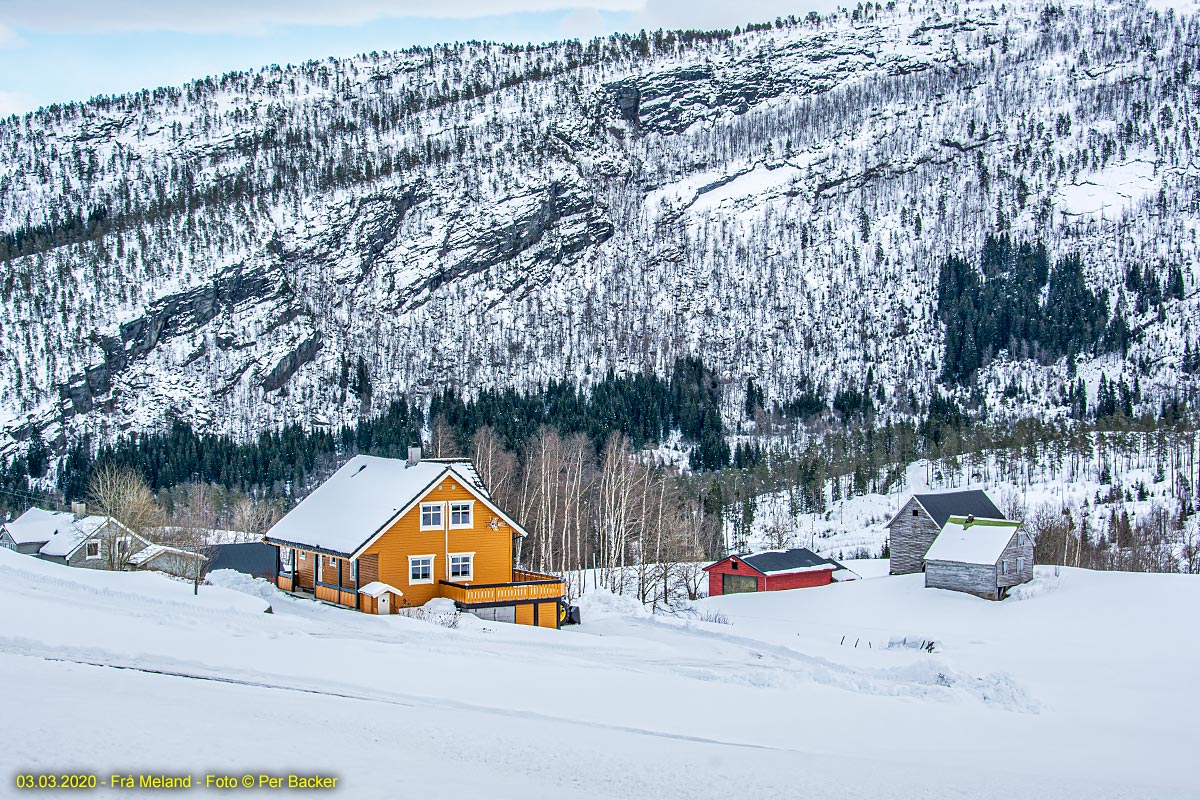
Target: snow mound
column 599, row 603
column 246, row 584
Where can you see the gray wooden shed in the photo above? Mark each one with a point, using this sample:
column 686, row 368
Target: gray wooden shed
column 979, row 556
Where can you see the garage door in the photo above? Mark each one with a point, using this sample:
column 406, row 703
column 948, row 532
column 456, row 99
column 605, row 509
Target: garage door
column 733, row 584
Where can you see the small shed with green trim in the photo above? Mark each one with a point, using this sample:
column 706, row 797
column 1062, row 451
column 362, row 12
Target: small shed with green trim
column 980, row 556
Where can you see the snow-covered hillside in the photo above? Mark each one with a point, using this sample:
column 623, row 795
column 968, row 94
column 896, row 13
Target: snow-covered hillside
column 777, row 200
column 1106, row 481
column 1072, row 688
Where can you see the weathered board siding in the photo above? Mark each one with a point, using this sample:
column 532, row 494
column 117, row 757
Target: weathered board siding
column 909, row 537
column 985, row 580
column 1019, row 547
column 976, row 579
column 493, row 549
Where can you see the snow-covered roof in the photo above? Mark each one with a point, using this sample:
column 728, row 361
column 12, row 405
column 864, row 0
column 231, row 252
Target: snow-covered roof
column 376, row 588
column 155, row 550
column 68, row 537
column 980, row 541
column 360, row 499
column 37, row 525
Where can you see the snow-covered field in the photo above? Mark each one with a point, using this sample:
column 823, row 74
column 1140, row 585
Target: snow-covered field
column 1077, row 687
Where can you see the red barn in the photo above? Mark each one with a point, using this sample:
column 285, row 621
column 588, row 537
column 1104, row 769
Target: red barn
column 772, row 570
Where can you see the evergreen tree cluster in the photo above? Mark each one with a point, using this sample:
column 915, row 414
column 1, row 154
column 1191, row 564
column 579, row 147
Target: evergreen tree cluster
column 1116, row 398
column 644, row 407
column 998, row 305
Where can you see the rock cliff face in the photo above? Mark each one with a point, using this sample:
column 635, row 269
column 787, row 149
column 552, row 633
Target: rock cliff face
column 778, row 202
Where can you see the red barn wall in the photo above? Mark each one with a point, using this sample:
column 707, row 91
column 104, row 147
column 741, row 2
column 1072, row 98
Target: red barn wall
column 798, row 580
column 726, row 567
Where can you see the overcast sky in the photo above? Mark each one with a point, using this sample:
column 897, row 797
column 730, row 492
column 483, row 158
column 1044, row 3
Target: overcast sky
column 59, row 50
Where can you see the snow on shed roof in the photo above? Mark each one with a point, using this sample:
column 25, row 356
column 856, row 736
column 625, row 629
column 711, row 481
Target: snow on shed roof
column 942, row 505
column 37, row 525
column 70, row 536
column 978, row 542
column 376, row 588
column 344, row 512
column 155, row 550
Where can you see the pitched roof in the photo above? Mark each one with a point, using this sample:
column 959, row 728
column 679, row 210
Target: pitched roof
column 359, row 500
column 37, row 525
column 941, row 505
column 152, row 552
column 777, row 562
column 981, row 541
column 376, row 588
column 68, row 537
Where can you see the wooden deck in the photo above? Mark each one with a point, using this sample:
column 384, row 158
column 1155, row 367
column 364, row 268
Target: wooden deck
column 525, row 586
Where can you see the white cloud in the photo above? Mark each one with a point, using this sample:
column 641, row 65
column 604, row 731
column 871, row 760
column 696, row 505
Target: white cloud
column 584, row 23
column 709, row 14
column 14, row 103
column 240, row 16
column 7, row 36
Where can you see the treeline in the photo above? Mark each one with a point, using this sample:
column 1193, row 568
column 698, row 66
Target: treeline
column 286, row 462
column 643, row 407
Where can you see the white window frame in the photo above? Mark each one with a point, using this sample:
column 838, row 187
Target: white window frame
column 87, row 548
column 303, row 555
column 1003, row 567
column 450, row 576
column 440, row 508
column 470, row 523
column 333, row 562
column 1020, row 565
column 432, row 558
column 286, row 554
column 354, row 570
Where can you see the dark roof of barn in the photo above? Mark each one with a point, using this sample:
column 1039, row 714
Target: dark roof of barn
column 972, row 502
column 772, row 561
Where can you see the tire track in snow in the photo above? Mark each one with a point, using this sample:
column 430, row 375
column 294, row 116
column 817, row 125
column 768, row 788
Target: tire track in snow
column 414, row 701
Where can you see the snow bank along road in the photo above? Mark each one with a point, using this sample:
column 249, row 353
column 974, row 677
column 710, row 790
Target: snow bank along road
column 1078, row 688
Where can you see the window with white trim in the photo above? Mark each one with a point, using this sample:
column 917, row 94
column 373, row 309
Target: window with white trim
column 462, row 566
column 420, row 569
column 1003, row 567
column 1020, row 565
column 431, row 516
column 460, row 514
column 285, row 558
column 333, row 562
column 354, row 570
column 91, row 550
column 303, row 555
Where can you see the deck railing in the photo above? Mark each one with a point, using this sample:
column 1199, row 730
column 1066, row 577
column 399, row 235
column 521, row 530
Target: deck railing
column 525, row 586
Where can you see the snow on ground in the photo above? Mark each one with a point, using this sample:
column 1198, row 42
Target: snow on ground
column 1077, row 688
column 1109, row 192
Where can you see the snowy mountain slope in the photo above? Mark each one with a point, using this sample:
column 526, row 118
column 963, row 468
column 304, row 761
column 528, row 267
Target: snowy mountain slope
column 778, row 201
column 625, row 704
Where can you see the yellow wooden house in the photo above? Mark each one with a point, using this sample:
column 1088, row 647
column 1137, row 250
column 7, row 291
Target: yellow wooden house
column 385, row 534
